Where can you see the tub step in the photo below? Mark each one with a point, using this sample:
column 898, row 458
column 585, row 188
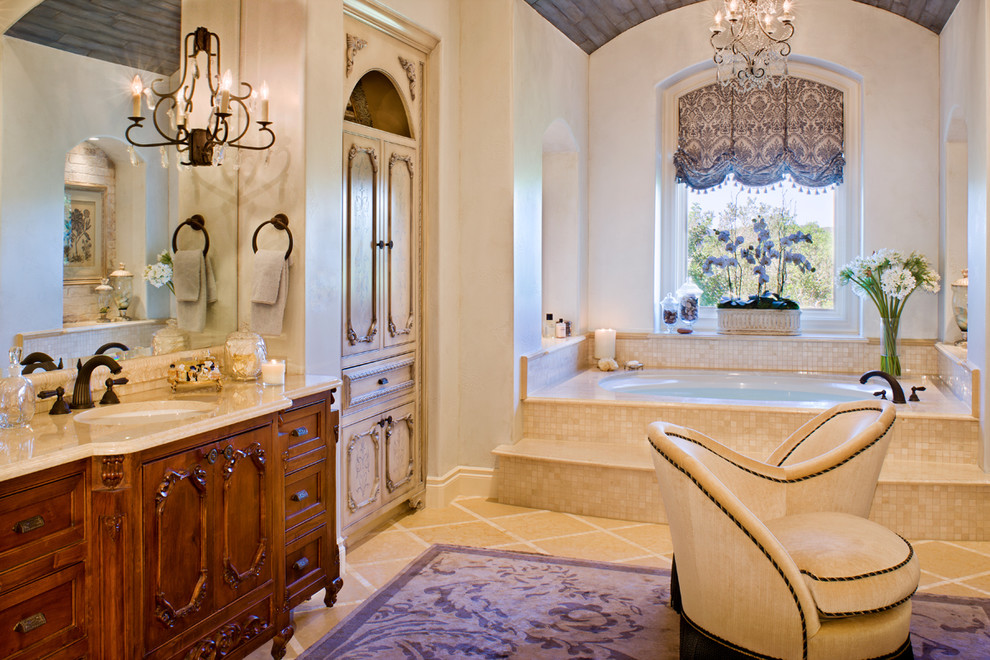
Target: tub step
column 917, row 499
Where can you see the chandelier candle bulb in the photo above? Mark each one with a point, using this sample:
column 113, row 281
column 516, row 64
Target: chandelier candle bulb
column 264, row 101
column 137, row 87
column 225, row 83
column 605, row 344
column 273, row 372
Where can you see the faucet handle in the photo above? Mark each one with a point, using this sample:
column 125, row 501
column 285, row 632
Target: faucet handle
column 110, row 397
column 914, row 393
column 60, row 407
column 882, row 394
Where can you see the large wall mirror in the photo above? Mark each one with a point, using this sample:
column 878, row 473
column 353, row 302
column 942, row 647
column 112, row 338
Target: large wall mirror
column 75, row 200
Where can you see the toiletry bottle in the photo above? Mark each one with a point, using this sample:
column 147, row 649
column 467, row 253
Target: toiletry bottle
column 561, row 330
column 567, row 328
column 548, row 326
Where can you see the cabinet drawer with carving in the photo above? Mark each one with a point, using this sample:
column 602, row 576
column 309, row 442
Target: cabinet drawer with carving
column 43, row 616
column 380, row 381
column 41, row 520
column 305, row 496
column 305, row 563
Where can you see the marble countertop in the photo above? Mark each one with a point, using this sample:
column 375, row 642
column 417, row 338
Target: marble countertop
column 52, row 440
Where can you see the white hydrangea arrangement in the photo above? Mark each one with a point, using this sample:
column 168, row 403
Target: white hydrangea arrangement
column 888, row 278
column 159, row 274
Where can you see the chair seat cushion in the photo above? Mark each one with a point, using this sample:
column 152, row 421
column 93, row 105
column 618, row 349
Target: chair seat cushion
column 852, row 565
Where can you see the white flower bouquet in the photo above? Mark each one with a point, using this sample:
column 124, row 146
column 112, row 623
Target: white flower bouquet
column 159, row 274
column 888, row 278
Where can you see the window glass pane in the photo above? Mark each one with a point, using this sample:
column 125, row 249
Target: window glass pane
column 726, row 216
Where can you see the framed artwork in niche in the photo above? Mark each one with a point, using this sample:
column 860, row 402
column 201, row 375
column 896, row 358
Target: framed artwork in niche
column 84, row 250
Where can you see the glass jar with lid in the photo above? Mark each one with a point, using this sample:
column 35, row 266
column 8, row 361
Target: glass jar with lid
column 104, row 295
column 16, row 394
column 688, row 295
column 244, row 352
column 668, row 312
column 170, row 339
column 122, row 282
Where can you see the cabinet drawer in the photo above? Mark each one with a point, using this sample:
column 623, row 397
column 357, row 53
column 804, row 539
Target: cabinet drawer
column 306, row 561
column 301, row 431
column 378, row 381
column 40, row 520
column 305, row 495
column 43, row 616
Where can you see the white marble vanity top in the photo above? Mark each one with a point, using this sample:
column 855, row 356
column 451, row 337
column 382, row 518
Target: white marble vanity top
column 52, row 440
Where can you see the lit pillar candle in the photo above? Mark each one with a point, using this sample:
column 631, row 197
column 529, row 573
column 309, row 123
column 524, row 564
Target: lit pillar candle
column 273, row 372
column 264, row 101
column 225, row 83
column 137, row 87
column 605, row 343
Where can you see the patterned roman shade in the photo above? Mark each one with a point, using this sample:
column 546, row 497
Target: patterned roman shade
column 761, row 135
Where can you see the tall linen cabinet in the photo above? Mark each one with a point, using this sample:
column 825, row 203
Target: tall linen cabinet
column 382, row 443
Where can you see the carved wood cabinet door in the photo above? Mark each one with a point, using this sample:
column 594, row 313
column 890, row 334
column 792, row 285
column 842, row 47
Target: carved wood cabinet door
column 362, row 239
column 401, row 253
column 243, row 532
column 400, row 450
column 178, row 583
column 362, row 463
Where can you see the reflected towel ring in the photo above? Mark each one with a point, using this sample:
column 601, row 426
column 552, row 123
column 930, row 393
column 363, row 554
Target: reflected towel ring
column 281, row 221
column 196, row 222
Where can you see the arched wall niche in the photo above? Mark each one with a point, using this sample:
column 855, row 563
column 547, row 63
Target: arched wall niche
column 561, row 236
column 375, row 101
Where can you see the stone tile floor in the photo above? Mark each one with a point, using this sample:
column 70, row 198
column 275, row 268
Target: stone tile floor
column 958, row 568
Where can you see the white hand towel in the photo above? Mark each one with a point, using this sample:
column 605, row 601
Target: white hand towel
column 270, row 291
column 189, row 277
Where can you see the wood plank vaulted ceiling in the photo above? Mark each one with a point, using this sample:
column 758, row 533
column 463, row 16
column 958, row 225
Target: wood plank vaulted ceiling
column 592, row 23
column 140, row 33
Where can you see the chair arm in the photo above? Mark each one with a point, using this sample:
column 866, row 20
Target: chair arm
column 759, row 486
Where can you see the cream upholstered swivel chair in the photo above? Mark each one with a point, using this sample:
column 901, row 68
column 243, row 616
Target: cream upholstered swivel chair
column 831, row 463
column 810, row 585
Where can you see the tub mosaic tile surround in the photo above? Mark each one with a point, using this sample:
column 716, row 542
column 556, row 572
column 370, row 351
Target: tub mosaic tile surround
column 754, row 432
column 555, row 363
column 707, row 351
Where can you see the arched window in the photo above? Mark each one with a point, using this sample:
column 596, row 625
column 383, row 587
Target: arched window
column 375, row 102
column 789, row 156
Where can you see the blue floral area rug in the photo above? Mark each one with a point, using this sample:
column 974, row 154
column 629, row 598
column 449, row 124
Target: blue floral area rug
column 464, row 603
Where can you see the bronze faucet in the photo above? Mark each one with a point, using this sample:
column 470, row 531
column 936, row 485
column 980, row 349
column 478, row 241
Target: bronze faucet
column 896, row 393
column 81, row 395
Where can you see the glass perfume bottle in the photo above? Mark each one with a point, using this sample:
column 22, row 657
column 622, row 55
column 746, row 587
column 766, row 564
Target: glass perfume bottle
column 16, row 394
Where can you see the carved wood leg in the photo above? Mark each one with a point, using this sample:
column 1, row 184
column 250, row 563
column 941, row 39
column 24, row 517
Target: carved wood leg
column 281, row 641
column 330, row 595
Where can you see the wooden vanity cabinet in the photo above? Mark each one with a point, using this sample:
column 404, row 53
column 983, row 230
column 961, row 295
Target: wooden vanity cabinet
column 203, row 546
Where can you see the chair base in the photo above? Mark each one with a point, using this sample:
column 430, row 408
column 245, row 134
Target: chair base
column 698, row 644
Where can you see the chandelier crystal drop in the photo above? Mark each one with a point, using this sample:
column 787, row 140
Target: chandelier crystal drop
column 750, row 38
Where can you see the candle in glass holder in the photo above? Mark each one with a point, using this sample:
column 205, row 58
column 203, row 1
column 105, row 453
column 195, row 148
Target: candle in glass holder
column 273, row 372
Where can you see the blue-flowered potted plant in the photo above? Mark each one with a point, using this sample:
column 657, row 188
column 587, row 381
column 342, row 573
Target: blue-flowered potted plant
column 888, row 278
column 767, row 260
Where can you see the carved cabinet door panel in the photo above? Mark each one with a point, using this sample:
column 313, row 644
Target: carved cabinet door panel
column 401, row 450
column 361, row 448
column 362, row 176
column 178, row 583
column 401, row 253
column 244, row 530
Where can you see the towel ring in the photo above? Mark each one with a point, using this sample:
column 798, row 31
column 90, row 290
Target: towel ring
column 281, row 221
column 196, row 222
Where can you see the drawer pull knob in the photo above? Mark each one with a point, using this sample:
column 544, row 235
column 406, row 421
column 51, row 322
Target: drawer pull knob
column 299, row 497
column 300, row 564
column 33, row 622
column 301, row 431
column 383, row 381
column 29, row 525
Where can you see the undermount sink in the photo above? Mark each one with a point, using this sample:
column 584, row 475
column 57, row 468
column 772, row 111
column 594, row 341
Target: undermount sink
column 144, row 412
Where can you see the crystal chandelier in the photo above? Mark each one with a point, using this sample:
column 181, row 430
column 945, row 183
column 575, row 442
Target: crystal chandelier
column 171, row 109
column 750, row 38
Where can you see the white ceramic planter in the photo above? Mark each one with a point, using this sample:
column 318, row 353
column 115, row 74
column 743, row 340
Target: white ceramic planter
column 759, row 321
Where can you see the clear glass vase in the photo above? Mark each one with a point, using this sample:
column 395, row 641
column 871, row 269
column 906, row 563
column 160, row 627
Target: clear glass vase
column 889, row 360
column 16, row 395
